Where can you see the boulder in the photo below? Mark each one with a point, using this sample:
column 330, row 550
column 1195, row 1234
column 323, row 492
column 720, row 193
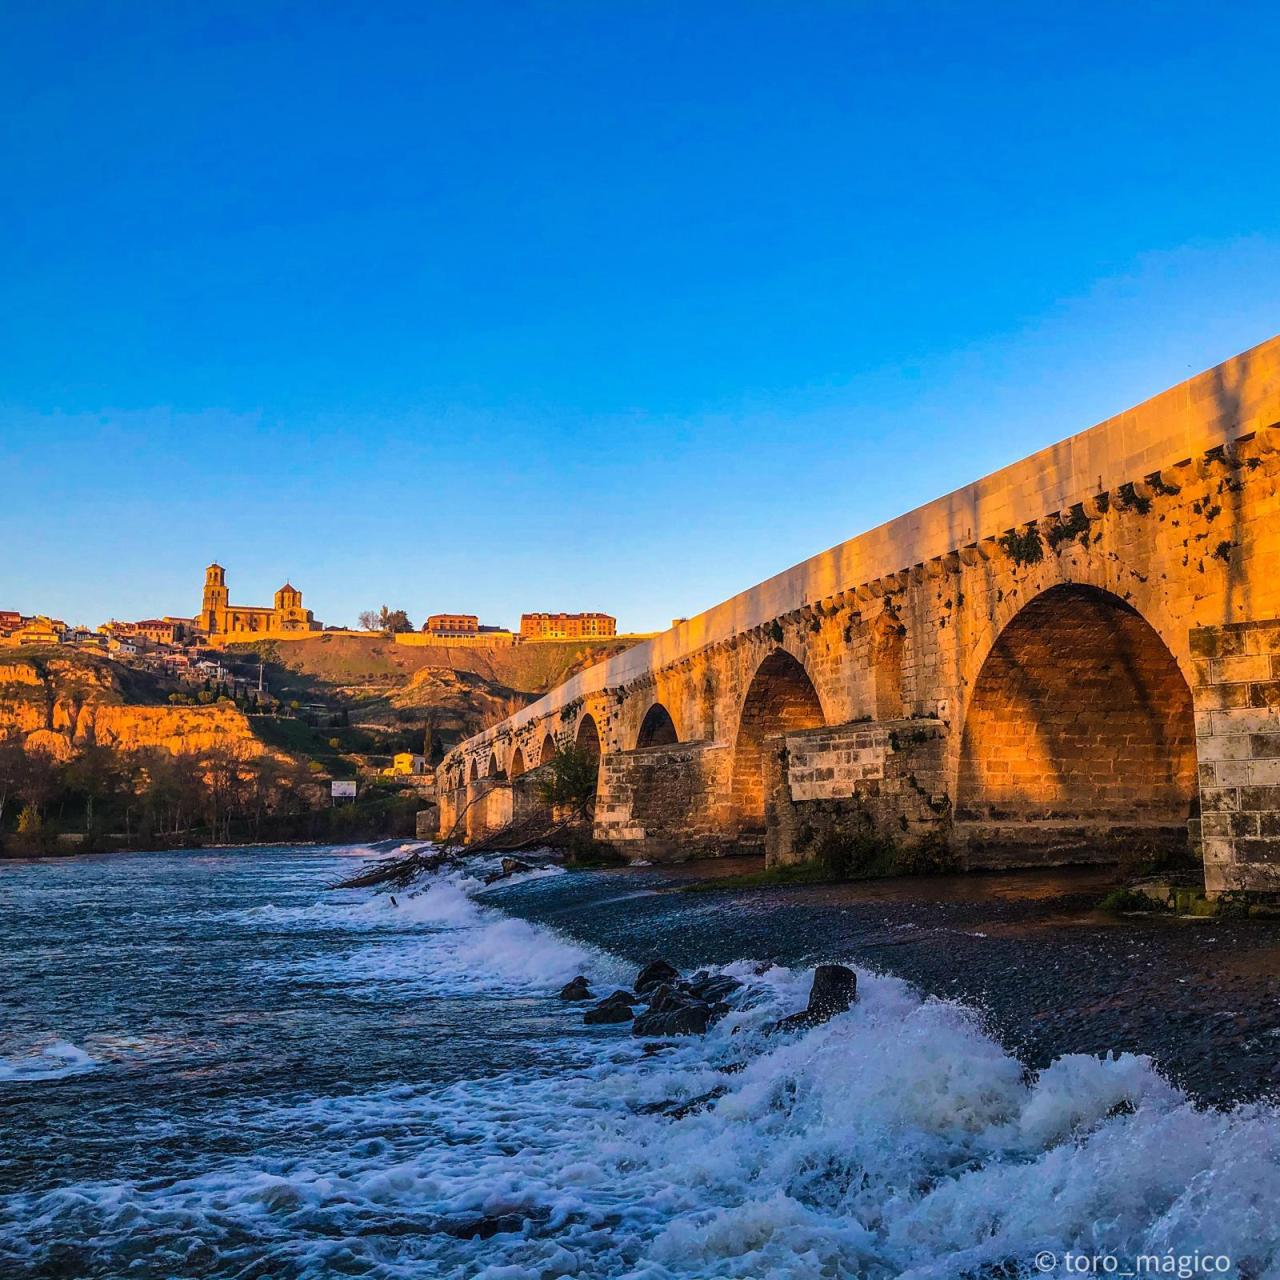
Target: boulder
column 655, row 974
column 606, row 1013
column 712, row 990
column 834, row 989
column 576, row 990
column 690, row 1019
column 620, row 997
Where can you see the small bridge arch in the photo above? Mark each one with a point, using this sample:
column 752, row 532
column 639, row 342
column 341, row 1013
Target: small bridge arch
column 588, row 737
column 657, row 729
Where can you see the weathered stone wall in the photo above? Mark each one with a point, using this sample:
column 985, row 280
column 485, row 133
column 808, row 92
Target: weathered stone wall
column 1237, row 700
column 665, row 803
column 885, row 776
column 1042, row 616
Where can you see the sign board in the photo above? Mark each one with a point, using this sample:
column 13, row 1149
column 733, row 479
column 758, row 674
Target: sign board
column 343, row 790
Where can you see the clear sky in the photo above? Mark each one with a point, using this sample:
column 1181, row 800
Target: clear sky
column 501, row 307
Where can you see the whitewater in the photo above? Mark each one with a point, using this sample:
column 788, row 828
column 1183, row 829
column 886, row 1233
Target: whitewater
column 385, row 1088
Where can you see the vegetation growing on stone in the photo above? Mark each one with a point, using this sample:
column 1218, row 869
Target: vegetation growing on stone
column 1075, row 526
column 1023, row 547
column 1129, row 499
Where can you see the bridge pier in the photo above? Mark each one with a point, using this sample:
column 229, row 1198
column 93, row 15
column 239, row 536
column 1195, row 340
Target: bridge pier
column 850, row 787
column 666, row 803
column 1237, row 707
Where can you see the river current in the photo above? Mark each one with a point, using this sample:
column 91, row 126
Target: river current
column 211, row 1065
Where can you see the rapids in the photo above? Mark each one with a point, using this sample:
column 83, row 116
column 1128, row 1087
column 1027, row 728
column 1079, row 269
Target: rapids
column 212, row 1066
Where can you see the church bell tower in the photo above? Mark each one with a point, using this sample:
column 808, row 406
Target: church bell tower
column 213, row 608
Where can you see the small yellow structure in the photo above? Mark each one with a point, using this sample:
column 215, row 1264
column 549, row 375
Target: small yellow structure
column 407, row 764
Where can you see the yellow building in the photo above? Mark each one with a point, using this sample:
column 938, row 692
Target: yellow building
column 221, row 619
column 407, row 764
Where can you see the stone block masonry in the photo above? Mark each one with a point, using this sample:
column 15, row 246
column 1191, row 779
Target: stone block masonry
column 886, row 777
column 1236, row 689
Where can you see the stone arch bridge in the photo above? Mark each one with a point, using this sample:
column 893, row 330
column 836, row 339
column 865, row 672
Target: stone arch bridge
column 1077, row 654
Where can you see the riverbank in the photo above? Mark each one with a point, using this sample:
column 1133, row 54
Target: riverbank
column 1049, row 972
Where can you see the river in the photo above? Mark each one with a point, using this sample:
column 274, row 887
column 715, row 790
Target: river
column 211, row 1065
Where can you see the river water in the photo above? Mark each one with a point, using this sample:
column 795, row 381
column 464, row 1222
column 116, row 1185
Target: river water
column 211, row 1065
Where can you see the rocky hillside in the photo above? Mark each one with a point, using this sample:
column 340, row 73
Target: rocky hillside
column 60, row 700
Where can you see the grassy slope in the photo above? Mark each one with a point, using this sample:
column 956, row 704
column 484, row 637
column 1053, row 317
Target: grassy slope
column 381, row 683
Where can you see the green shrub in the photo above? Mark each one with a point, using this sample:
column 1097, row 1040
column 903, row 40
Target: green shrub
column 569, row 779
column 1120, row 901
column 1023, row 547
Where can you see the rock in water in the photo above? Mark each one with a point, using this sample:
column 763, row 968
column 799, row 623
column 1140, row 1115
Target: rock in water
column 576, row 990
column 712, row 990
column 514, row 866
column 658, row 973
column 606, row 1012
column 834, row 990
column 690, row 1019
column 620, row 997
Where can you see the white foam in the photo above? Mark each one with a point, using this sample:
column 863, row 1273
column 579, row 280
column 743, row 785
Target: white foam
column 447, row 941
column 52, row 1060
column 898, row 1140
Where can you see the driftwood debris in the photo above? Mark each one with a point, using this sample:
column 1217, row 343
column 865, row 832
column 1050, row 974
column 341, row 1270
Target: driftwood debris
column 525, row 833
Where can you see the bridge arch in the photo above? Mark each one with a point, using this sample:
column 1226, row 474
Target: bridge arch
column 495, row 769
column 517, row 764
column 1079, row 718
column 474, row 775
column 781, row 698
column 588, row 736
column 657, row 729
column 548, row 750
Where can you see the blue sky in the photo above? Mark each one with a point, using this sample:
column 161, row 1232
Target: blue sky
column 499, row 307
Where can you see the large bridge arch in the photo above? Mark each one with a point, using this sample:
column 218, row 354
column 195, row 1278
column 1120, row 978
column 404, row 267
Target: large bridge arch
column 781, row 698
column 517, row 764
column 495, row 769
column 1079, row 718
column 474, row 774
column 657, row 729
column 548, row 750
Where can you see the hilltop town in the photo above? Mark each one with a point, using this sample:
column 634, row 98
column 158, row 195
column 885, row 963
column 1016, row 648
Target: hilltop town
column 308, row 715
column 220, row 623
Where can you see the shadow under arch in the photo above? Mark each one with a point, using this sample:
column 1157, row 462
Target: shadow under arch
column 1079, row 727
column 780, row 699
column 588, row 737
column 474, row 775
column 495, row 769
column 548, row 750
column 517, row 764
column 657, row 729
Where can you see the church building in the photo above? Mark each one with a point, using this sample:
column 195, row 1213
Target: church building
column 220, row 618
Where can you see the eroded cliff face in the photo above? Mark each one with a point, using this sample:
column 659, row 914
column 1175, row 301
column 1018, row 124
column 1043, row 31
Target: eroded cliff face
column 60, row 704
